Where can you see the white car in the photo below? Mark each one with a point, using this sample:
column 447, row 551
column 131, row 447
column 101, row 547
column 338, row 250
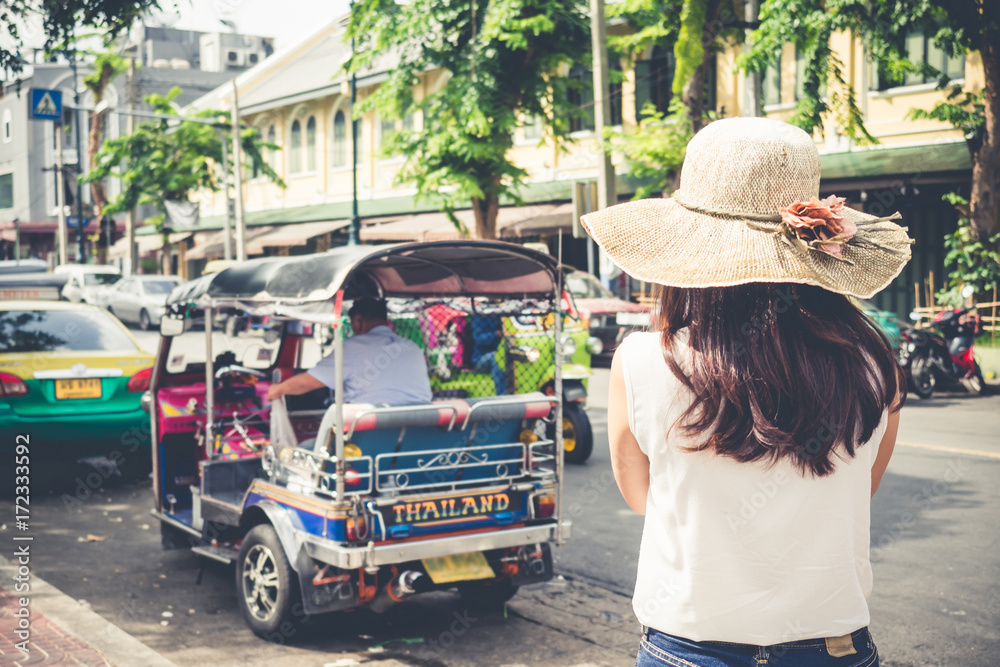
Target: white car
column 87, row 283
column 141, row 299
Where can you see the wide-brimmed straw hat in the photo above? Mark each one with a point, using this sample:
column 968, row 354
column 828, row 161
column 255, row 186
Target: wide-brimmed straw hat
column 747, row 210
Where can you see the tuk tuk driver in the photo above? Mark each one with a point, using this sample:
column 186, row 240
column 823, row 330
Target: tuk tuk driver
column 379, row 367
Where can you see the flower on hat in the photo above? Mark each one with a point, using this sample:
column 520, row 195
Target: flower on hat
column 819, row 222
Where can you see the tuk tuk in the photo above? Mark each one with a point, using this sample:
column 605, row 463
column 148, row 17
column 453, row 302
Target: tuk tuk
column 324, row 505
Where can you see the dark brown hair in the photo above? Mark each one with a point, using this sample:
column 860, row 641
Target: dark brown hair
column 779, row 370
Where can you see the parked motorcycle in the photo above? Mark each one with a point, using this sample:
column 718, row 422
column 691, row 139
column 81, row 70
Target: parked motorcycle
column 943, row 355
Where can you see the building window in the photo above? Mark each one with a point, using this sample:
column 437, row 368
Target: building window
column 710, row 82
column 581, row 96
column 339, row 140
column 295, row 154
column 653, row 80
column 273, row 153
column 771, row 84
column 920, row 50
column 6, row 126
column 387, row 129
column 800, row 75
column 615, row 89
column 408, row 122
column 311, row 144
column 533, row 127
column 7, row 190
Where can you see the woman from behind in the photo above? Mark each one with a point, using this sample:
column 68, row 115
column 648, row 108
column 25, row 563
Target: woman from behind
column 752, row 427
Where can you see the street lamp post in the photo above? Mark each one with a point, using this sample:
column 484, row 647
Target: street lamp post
column 80, row 241
column 354, row 232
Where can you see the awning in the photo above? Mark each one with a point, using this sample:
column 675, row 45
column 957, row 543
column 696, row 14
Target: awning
column 212, row 245
column 293, row 235
column 437, row 226
column 145, row 244
column 912, row 162
column 560, row 217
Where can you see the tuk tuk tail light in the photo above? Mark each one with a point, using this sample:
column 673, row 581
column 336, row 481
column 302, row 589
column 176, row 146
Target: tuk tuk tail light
column 12, row 386
column 594, row 345
column 545, row 505
column 140, row 381
column 352, row 477
column 356, row 528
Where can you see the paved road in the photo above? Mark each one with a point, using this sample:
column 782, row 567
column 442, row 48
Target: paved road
column 935, row 550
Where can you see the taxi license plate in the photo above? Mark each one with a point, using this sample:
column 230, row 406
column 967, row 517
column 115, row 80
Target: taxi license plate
column 459, row 567
column 78, row 388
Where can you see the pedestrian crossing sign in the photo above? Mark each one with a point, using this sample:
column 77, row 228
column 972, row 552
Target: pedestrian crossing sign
column 45, row 104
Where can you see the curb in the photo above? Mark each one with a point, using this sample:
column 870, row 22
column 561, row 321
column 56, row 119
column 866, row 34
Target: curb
column 114, row 644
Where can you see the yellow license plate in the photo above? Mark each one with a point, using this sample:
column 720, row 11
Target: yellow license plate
column 460, row 567
column 81, row 388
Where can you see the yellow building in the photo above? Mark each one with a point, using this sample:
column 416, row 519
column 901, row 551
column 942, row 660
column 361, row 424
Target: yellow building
column 300, row 100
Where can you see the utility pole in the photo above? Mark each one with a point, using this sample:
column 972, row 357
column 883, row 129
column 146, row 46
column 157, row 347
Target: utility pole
column 80, row 240
column 354, row 231
column 227, row 230
column 130, row 263
column 60, row 195
column 606, row 195
column 751, row 82
column 241, row 248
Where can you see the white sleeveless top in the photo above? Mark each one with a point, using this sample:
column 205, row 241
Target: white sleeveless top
column 741, row 552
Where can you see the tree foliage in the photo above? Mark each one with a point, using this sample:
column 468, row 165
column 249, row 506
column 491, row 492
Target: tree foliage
column 958, row 27
column 502, row 60
column 693, row 30
column 106, row 66
column 971, row 260
column 59, row 20
column 655, row 152
column 169, row 159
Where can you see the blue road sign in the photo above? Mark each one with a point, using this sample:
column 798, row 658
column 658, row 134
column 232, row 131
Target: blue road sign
column 71, row 221
column 45, row 104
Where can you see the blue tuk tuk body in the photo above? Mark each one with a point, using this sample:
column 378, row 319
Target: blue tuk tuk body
column 326, row 508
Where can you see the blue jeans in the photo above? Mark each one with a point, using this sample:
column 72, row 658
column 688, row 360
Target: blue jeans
column 487, row 363
column 657, row 649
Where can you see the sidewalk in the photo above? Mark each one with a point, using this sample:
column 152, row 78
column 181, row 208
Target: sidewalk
column 62, row 631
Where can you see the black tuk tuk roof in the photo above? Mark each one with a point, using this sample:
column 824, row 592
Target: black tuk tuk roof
column 437, row 268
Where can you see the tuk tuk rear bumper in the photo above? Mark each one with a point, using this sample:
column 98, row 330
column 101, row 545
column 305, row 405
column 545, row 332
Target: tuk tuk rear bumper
column 351, row 558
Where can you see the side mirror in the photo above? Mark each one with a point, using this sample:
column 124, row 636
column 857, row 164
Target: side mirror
column 257, row 356
column 968, row 291
column 915, row 316
column 146, row 401
column 171, row 326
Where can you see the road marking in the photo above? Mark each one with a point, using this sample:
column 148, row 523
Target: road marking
column 951, row 450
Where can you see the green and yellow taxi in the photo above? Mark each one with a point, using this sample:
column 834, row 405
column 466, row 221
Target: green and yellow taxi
column 71, row 379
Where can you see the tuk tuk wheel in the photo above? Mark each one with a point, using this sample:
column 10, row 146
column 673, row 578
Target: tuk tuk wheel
column 266, row 584
column 578, row 436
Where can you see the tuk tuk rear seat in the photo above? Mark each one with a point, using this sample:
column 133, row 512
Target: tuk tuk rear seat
column 451, row 414
column 447, row 441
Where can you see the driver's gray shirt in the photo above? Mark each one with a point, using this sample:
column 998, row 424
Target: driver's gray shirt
column 379, row 367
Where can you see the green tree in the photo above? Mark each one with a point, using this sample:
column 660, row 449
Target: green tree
column 693, row 30
column 502, row 59
column 167, row 160
column 655, row 151
column 107, row 66
column 59, row 19
column 959, row 27
column 972, row 260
